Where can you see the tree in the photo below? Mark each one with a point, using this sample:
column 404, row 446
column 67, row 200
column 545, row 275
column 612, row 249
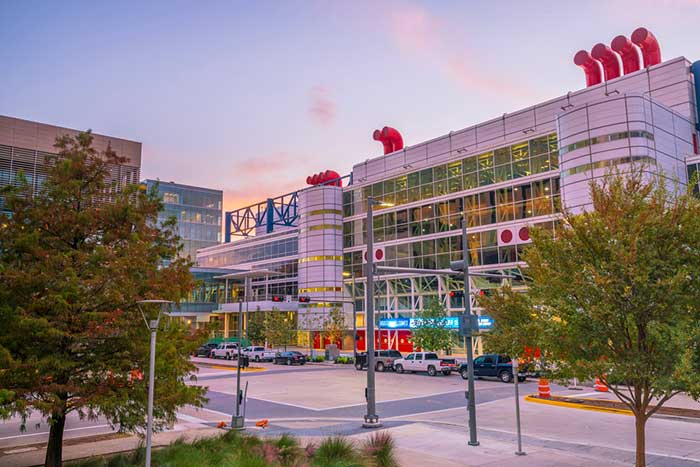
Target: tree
column 334, row 325
column 74, row 259
column 280, row 327
column 615, row 295
column 432, row 332
column 256, row 326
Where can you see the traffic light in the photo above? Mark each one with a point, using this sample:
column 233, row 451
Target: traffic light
column 277, row 298
column 456, row 294
column 304, row 299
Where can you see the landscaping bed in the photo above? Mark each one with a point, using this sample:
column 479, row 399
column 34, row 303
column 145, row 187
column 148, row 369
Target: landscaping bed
column 241, row 450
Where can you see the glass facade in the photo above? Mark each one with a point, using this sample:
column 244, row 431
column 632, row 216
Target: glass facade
column 521, row 201
column 525, row 158
column 196, row 210
column 247, row 254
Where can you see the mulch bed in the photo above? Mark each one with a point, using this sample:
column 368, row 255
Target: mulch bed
column 608, row 404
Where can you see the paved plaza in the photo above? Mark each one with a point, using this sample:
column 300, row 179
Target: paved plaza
column 426, row 415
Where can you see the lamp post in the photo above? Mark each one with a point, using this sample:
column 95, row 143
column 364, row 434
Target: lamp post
column 152, row 325
column 471, row 401
column 371, row 418
column 237, row 422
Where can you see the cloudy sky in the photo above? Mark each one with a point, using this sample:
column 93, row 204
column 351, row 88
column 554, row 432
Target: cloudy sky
column 251, row 97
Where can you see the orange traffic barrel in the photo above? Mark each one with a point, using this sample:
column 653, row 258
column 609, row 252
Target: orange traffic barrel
column 599, row 386
column 543, row 389
column 262, row 423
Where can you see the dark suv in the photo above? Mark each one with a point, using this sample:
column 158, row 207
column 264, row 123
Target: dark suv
column 495, row 366
column 383, row 359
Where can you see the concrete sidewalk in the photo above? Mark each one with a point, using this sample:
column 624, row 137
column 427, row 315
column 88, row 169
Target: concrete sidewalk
column 417, row 445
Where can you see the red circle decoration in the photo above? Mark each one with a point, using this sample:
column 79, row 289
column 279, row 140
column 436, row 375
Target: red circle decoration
column 524, row 234
column 506, row 236
column 379, row 254
column 365, row 255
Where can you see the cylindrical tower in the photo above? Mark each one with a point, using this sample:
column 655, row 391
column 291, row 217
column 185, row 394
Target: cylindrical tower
column 320, row 254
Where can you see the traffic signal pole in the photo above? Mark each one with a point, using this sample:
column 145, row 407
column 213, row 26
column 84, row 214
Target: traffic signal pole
column 371, row 418
column 471, row 400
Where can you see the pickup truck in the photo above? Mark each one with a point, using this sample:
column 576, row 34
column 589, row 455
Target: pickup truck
column 495, row 366
column 428, row 362
column 227, row 350
column 259, row 354
column 383, row 359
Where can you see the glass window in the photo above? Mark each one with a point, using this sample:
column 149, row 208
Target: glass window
column 488, row 360
column 426, row 191
column 440, row 172
column 413, row 180
column 502, row 156
column 454, row 184
column 503, row 173
column 540, row 164
column 426, row 176
column 469, row 165
column 539, row 145
column 441, row 188
column 454, row 169
column 378, row 189
column 471, row 180
column 520, row 151
column 410, row 357
column 521, row 168
column 485, row 160
column 486, row 177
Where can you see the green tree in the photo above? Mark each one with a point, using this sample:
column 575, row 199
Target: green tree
column 615, row 295
column 334, row 325
column 280, row 327
column 433, row 332
column 74, row 259
column 256, row 327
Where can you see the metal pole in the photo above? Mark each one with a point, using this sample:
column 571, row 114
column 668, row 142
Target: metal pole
column 151, row 384
column 471, row 402
column 371, row 418
column 520, row 451
column 354, row 319
column 237, row 422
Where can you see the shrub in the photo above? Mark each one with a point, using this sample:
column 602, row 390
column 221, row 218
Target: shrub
column 345, row 360
column 380, row 448
column 335, row 450
column 319, row 358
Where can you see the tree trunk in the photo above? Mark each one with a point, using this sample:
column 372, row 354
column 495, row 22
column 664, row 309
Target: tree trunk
column 54, row 451
column 640, row 425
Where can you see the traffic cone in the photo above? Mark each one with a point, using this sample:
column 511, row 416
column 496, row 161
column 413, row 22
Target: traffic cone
column 599, row 386
column 543, row 388
column 262, row 423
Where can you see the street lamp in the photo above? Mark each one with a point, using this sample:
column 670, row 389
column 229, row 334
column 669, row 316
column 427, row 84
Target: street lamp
column 153, row 326
column 371, row 418
column 471, row 403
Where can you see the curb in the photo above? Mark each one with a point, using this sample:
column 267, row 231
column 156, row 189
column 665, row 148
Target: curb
column 576, row 405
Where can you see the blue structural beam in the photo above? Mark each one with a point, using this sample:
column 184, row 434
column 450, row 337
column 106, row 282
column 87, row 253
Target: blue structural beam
column 279, row 211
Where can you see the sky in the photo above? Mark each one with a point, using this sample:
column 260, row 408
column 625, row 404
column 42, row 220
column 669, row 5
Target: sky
column 252, row 97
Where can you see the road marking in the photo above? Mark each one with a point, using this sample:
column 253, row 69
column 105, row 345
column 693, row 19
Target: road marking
column 46, row 432
column 191, row 419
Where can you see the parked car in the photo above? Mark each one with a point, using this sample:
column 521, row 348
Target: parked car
column 428, row 362
column 205, row 350
column 227, row 350
column 259, row 354
column 289, row 358
column 496, row 366
column 383, row 359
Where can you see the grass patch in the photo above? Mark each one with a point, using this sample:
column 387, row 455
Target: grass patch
column 233, row 449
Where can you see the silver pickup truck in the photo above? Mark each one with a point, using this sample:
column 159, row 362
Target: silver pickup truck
column 428, row 362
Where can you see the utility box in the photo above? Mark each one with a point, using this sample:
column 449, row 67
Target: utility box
column 332, row 352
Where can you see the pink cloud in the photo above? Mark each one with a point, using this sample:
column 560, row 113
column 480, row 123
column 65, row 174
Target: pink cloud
column 432, row 42
column 322, row 108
